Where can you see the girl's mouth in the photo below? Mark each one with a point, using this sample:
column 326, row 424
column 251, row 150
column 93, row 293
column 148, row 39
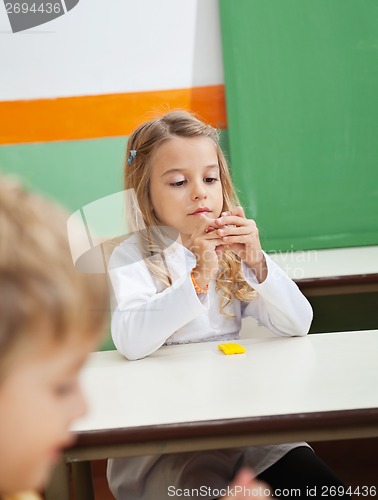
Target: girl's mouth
column 202, row 210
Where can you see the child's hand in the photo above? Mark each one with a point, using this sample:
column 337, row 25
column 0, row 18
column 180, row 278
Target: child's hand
column 246, row 486
column 242, row 237
column 207, row 246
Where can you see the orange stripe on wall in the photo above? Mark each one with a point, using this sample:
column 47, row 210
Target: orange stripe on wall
column 70, row 118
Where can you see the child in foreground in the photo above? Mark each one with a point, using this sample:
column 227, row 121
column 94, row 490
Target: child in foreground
column 51, row 317
column 197, row 288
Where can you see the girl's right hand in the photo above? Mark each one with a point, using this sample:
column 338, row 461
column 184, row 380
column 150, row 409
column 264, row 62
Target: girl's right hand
column 207, row 246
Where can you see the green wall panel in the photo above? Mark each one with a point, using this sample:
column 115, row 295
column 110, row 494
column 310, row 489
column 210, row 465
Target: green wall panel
column 302, row 101
column 74, row 173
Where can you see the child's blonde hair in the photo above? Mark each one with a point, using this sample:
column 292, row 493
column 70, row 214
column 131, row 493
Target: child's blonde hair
column 41, row 293
column 145, row 140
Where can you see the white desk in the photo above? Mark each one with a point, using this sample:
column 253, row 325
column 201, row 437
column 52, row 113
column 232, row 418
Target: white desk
column 327, row 272
column 193, row 397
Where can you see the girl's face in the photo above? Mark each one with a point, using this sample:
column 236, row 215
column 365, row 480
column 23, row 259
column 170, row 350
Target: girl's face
column 185, row 180
column 39, row 399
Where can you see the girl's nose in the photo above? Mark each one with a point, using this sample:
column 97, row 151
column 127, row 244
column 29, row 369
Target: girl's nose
column 201, row 196
column 199, row 192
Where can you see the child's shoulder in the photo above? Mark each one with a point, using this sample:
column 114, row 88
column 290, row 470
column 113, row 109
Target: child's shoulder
column 126, row 252
column 129, row 252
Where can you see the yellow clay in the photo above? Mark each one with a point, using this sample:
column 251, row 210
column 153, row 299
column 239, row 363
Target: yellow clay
column 231, row 348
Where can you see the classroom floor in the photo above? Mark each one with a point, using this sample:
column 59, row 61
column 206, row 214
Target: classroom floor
column 354, row 461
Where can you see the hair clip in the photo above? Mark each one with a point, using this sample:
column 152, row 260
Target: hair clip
column 133, row 153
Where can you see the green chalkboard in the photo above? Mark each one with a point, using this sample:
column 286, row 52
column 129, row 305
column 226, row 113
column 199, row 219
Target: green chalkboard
column 301, row 82
column 73, row 173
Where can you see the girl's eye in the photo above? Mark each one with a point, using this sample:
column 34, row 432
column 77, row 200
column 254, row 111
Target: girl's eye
column 210, row 180
column 178, row 183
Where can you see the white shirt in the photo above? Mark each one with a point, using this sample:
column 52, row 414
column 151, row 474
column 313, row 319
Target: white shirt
column 145, row 316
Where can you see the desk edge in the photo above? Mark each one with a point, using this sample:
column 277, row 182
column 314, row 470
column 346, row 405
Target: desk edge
column 336, row 420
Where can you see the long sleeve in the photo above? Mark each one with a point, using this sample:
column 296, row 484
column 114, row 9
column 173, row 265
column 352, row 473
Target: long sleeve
column 144, row 318
column 280, row 305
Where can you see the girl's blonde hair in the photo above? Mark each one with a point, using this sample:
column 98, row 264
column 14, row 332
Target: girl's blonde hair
column 145, row 140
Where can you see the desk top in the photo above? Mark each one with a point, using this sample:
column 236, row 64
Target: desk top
column 277, row 377
column 311, row 264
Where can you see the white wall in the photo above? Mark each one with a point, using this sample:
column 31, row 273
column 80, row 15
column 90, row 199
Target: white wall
column 113, row 46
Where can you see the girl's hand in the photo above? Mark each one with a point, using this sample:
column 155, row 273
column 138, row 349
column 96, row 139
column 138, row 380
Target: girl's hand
column 246, row 486
column 242, row 237
column 207, row 246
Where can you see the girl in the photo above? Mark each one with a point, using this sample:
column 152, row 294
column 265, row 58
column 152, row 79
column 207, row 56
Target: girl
column 196, row 289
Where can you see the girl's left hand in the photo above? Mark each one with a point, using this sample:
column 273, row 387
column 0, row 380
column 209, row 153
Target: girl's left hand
column 242, row 237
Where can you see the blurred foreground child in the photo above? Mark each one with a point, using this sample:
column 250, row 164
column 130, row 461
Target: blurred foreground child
column 51, row 317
